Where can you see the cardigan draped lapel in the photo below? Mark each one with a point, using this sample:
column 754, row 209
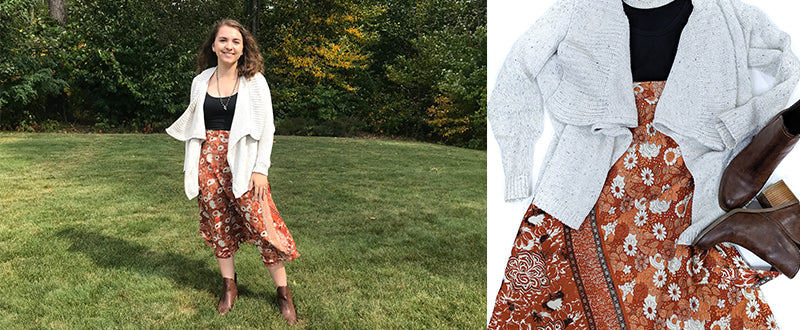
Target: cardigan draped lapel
column 714, row 91
column 191, row 124
column 242, row 124
column 596, row 51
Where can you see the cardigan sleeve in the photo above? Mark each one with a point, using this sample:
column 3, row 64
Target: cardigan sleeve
column 769, row 52
column 268, row 133
column 515, row 109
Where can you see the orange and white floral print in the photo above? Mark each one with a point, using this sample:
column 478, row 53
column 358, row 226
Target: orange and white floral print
column 226, row 221
column 623, row 269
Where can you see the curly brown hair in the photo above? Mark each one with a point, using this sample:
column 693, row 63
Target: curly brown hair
column 249, row 63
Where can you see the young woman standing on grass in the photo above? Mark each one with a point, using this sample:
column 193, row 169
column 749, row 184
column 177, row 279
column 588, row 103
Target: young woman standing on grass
column 228, row 129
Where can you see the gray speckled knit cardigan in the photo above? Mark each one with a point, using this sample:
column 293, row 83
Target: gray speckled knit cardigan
column 574, row 62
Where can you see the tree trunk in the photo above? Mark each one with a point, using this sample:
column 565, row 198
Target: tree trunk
column 58, row 10
column 254, row 13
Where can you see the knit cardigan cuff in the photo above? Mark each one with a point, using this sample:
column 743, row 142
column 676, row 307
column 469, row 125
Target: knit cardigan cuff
column 736, row 124
column 518, row 186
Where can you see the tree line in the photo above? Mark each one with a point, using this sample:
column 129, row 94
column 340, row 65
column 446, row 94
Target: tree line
column 400, row 68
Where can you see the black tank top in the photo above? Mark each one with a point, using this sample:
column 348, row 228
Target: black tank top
column 216, row 117
column 654, row 38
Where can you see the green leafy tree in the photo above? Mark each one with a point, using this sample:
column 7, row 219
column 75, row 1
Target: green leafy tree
column 435, row 81
column 27, row 64
column 315, row 54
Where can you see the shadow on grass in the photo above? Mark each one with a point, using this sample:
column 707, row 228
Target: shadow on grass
column 114, row 253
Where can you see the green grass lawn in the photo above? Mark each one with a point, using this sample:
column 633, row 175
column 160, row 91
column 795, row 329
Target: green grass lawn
column 96, row 232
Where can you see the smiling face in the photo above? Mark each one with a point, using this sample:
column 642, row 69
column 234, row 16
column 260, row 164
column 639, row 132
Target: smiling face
column 228, row 45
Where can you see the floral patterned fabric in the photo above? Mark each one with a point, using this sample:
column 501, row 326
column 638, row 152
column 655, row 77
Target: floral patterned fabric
column 622, row 269
column 225, row 221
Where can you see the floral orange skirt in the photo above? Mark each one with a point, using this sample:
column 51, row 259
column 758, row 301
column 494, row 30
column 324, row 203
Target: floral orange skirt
column 226, row 221
column 622, row 269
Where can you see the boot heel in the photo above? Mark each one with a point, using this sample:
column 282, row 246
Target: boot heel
column 776, row 194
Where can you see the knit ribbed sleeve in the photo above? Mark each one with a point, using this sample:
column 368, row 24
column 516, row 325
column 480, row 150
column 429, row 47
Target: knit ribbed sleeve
column 515, row 108
column 262, row 99
column 769, row 52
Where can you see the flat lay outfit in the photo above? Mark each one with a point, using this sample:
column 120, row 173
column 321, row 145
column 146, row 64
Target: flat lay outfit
column 631, row 177
column 226, row 141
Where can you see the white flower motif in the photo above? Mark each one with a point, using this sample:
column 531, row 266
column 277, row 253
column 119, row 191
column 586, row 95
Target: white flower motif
column 721, row 303
column 658, row 206
column 671, row 156
column 221, row 243
column 609, row 229
column 612, row 210
column 627, row 288
column 749, row 295
column 697, row 265
column 752, row 309
column 657, row 261
column 772, row 324
column 536, row 220
column 659, row 278
column 723, row 323
column 694, row 304
column 674, row 323
column 640, row 218
column 640, row 204
column 555, row 304
column 209, row 158
column 649, row 150
column 618, row 186
column 739, row 262
column 647, row 176
column 681, row 206
column 692, row 324
column 626, row 269
column 659, row 231
column 630, row 245
column 630, row 160
column 650, row 307
column 674, row 292
column 674, row 265
column 651, row 129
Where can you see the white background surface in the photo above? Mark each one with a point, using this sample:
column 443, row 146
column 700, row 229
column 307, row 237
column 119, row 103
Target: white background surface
column 507, row 20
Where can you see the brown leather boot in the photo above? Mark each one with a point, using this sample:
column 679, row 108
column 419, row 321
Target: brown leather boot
column 286, row 305
column 750, row 169
column 776, row 194
column 229, row 295
column 772, row 234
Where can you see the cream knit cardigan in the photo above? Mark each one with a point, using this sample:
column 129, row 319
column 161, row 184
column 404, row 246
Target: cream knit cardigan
column 251, row 134
column 574, row 62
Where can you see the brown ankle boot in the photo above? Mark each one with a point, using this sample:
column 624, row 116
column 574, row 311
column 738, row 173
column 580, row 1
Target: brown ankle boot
column 772, row 234
column 750, row 169
column 286, row 305
column 229, row 295
column 776, row 194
